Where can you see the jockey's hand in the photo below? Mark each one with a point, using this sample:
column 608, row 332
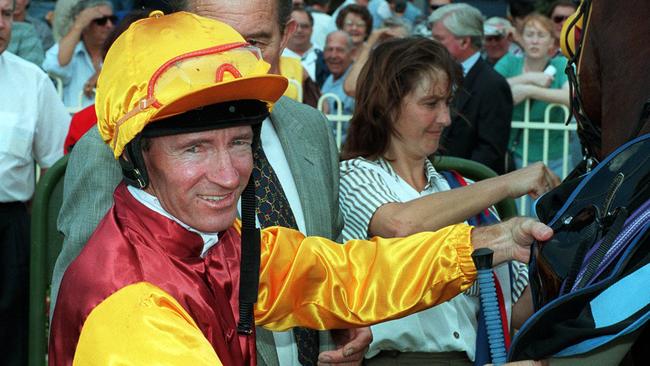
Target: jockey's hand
column 511, row 239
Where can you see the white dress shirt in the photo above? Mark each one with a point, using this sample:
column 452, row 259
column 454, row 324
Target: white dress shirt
column 33, row 126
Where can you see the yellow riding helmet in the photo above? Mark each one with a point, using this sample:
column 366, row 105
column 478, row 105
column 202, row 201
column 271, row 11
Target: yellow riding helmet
column 165, row 65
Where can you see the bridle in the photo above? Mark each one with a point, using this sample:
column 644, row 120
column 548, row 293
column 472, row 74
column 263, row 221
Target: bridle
column 590, row 134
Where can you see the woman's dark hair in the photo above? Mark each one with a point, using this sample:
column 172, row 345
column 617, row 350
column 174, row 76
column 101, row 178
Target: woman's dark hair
column 359, row 10
column 392, row 71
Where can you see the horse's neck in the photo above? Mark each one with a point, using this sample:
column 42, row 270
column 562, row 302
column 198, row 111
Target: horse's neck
column 614, row 82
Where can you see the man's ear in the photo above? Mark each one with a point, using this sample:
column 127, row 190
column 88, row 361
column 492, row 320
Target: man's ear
column 289, row 28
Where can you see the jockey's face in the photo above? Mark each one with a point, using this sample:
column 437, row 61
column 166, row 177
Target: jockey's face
column 198, row 177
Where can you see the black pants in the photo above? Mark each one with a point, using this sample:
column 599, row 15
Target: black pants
column 14, row 283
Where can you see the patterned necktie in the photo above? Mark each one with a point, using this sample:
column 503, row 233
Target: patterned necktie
column 273, row 209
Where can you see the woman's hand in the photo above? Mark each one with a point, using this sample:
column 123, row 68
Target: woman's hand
column 382, row 34
column 535, row 180
column 90, row 85
column 87, row 15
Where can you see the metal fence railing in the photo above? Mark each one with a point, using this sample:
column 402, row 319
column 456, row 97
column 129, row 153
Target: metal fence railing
column 546, row 126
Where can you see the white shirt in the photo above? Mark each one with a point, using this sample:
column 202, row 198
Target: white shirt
column 308, row 60
column 74, row 75
column 33, row 126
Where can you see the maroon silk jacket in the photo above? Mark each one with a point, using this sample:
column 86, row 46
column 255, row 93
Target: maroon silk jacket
column 134, row 244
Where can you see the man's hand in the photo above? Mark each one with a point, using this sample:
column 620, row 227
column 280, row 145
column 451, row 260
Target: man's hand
column 511, row 239
column 351, row 346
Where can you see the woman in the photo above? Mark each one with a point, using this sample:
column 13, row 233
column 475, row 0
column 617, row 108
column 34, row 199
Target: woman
column 540, row 78
column 390, row 188
column 356, row 21
column 77, row 57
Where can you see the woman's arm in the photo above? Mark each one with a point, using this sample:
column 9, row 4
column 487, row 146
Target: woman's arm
column 531, row 78
column 350, row 83
column 437, row 210
column 558, row 96
column 68, row 43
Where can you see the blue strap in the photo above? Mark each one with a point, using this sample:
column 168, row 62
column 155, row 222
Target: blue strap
column 482, row 353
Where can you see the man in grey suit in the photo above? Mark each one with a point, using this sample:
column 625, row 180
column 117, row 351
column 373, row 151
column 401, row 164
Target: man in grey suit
column 297, row 142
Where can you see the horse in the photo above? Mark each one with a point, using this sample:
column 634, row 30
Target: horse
column 610, row 99
column 606, row 43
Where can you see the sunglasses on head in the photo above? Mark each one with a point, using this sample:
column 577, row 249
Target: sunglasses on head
column 106, row 18
column 559, row 18
column 435, row 7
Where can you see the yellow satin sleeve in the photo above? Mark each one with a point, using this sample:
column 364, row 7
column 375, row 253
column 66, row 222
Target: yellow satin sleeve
column 147, row 327
column 316, row 283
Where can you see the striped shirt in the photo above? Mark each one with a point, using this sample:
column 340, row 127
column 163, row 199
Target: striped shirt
column 364, row 187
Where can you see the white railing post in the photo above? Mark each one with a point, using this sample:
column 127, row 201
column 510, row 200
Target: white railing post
column 339, row 118
column 546, row 126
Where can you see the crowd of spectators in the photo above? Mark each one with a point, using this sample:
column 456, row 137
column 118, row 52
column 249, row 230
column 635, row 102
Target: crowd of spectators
column 49, row 67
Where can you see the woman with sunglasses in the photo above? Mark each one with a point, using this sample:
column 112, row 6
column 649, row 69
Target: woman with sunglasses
column 560, row 11
column 76, row 59
column 389, row 188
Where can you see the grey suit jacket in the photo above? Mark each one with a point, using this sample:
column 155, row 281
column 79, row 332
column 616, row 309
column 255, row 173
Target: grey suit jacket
column 93, row 174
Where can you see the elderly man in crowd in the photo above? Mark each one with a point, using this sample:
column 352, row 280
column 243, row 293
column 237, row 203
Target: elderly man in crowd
column 33, row 124
column 479, row 131
column 77, row 57
column 176, row 264
column 498, row 39
column 303, row 171
column 338, row 58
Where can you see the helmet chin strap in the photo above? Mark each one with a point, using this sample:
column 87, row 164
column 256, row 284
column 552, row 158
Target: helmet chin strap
column 249, row 270
column 131, row 161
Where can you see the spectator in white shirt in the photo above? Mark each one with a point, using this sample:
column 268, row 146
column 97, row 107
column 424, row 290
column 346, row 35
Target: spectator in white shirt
column 301, row 47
